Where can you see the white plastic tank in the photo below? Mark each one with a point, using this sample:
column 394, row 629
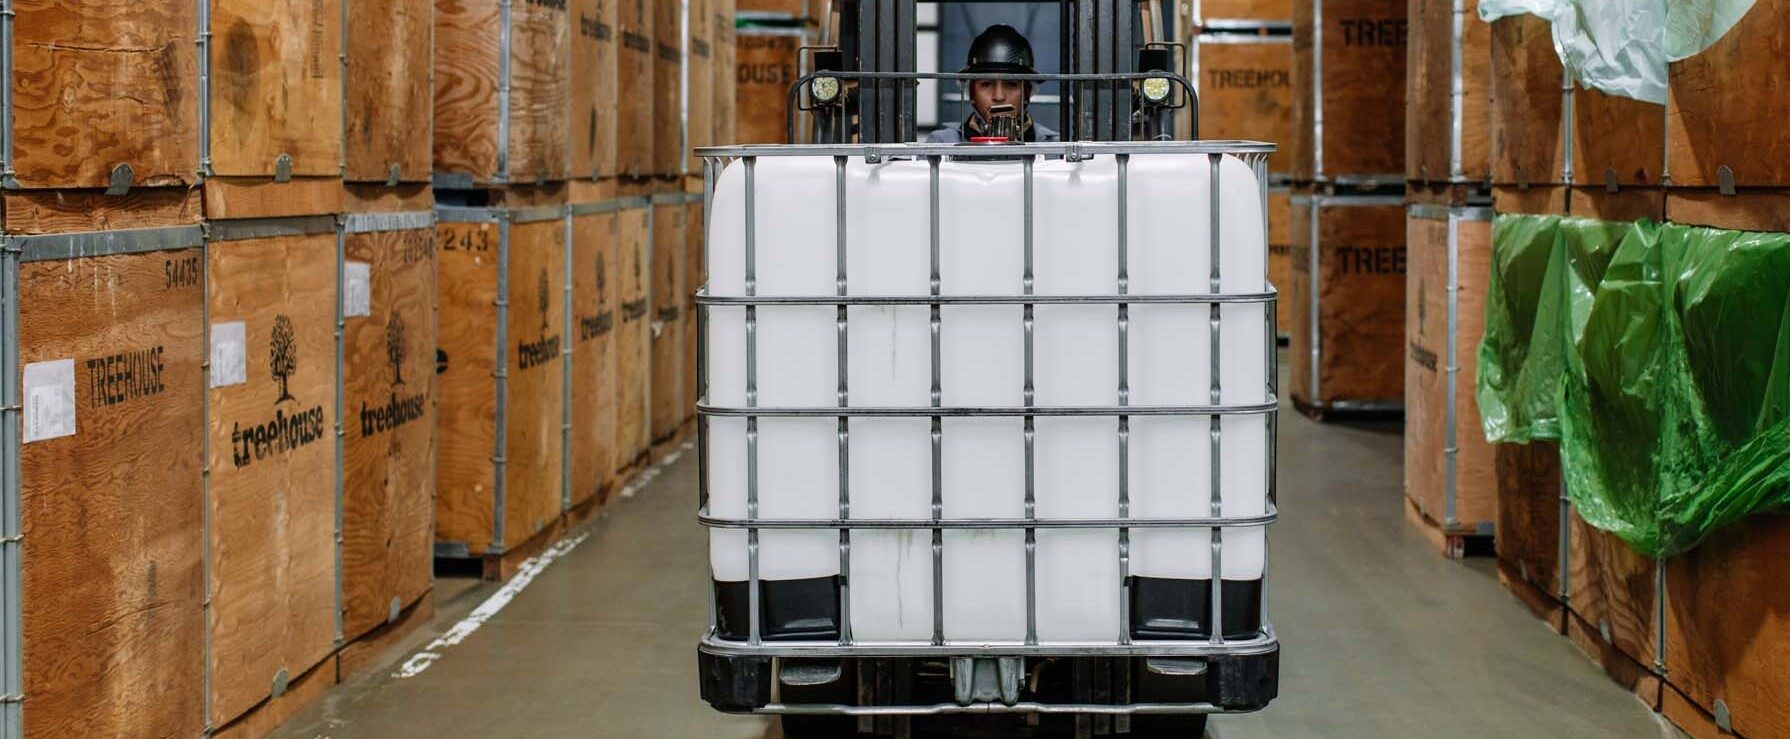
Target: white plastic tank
column 982, row 350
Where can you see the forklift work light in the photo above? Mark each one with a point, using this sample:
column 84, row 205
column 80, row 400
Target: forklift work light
column 824, row 89
column 1156, row 89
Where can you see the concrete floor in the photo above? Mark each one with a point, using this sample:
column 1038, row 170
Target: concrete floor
column 1382, row 637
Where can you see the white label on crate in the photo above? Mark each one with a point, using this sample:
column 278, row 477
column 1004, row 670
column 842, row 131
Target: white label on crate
column 357, row 290
column 49, row 400
column 229, row 362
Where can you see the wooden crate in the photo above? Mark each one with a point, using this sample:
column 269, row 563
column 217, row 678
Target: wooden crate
column 499, row 470
column 666, row 386
column 1621, row 204
column 273, row 482
column 1233, row 14
column 596, row 301
column 1350, row 358
column 388, row 395
column 699, row 83
column 668, row 81
column 1611, row 592
column 593, row 88
column 102, row 89
column 1448, row 138
column 1280, row 253
column 1358, row 51
column 1616, row 141
column 1728, row 106
column 765, row 65
column 1550, row 200
column 1449, row 466
column 109, row 439
column 726, row 59
column 1727, row 627
column 1531, row 527
column 235, row 198
column 635, row 66
column 695, row 277
column 390, row 96
column 1745, row 210
column 1245, row 84
column 780, row 8
column 59, row 211
column 471, row 96
column 1528, row 107
column 276, row 88
column 633, row 343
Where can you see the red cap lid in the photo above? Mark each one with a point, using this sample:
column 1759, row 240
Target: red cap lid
column 988, row 139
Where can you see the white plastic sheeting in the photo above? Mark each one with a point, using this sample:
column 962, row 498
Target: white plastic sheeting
column 1622, row 47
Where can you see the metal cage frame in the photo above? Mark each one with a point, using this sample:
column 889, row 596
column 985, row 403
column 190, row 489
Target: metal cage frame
column 1263, row 643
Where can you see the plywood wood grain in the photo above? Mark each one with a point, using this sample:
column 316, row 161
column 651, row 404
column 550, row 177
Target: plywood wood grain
column 726, row 59
column 1747, row 210
column 1362, row 54
column 276, row 86
column 1626, row 204
column 97, row 84
column 1245, row 10
column 390, row 93
column 1246, row 92
column 695, row 276
column 1280, row 254
column 596, row 303
column 533, row 442
column 765, row 66
column 700, row 86
column 465, row 479
column 1360, row 285
column 635, row 89
column 668, row 81
column 259, row 197
column 1529, row 513
column 273, row 457
column 667, row 386
column 633, row 344
column 388, row 447
column 1611, row 588
column 112, row 516
column 1728, row 624
column 1729, row 103
column 1528, row 127
column 1616, row 139
column 1430, row 105
column 466, row 65
column 540, row 91
column 63, row 211
column 1427, row 378
column 593, row 87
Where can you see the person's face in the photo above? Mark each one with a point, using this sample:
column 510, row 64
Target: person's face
column 986, row 95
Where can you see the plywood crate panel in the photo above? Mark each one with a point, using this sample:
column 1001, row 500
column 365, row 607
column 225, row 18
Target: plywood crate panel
column 111, row 503
column 1550, row 200
column 633, row 342
column 388, row 393
column 61, row 211
column 668, row 81
column 390, row 93
column 1449, row 466
column 1728, row 624
column 1611, row 590
column 1531, row 516
column 1745, row 210
column 596, row 303
column 1616, row 140
column 1347, row 301
column 233, row 198
column 1622, row 204
column 1280, row 253
column 787, row 8
column 470, row 49
column 699, row 86
column 1245, row 85
column 695, row 277
column 636, row 91
column 1228, row 14
column 502, row 306
column 97, row 85
column 1729, row 103
column 276, row 87
column 273, row 497
column 765, row 66
column 1448, row 138
column 1528, row 103
column 593, row 87
column 726, row 60
column 1358, row 51
column 667, row 383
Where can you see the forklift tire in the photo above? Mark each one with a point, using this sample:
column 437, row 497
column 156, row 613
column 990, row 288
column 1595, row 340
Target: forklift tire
column 1168, row 726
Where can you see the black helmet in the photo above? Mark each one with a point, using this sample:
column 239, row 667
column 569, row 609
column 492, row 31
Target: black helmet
column 1001, row 48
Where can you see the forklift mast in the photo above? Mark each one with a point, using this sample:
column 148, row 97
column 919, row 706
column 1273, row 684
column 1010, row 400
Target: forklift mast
column 1101, row 50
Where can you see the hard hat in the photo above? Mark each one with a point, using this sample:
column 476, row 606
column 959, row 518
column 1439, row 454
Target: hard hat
column 1001, row 48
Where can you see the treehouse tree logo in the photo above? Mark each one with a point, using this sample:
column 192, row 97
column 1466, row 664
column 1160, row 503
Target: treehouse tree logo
column 282, row 350
column 545, row 303
column 1423, row 305
column 601, row 280
column 394, row 347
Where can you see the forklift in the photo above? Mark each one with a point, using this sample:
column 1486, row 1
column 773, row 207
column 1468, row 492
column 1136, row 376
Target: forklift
column 799, row 646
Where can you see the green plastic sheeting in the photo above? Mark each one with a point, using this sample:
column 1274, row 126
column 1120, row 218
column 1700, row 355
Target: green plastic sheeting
column 1659, row 357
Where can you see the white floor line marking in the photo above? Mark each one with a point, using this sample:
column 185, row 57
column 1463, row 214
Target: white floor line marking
column 531, row 567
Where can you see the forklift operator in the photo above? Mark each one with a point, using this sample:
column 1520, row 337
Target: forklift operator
column 999, row 106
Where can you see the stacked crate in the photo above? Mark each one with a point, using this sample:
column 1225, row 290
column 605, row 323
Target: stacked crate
column 1346, row 294
column 767, row 60
column 1240, row 61
column 1450, row 483
column 1727, row 168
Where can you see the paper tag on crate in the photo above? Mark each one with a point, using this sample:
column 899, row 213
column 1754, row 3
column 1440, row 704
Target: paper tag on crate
column 49, row 400
column 357, row 290
column 229, row 361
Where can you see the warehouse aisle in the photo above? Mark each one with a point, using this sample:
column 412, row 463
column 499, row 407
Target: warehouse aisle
column 1382, row 637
